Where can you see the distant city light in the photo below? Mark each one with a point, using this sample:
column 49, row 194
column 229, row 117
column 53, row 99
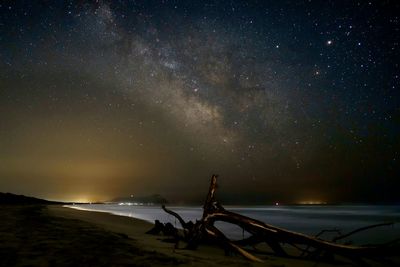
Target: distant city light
column 313, row 202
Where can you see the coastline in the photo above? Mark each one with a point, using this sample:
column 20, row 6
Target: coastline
column 43, row 235
column 211, row 255
column 205, row 255
column 307, row 220
column 135, row 228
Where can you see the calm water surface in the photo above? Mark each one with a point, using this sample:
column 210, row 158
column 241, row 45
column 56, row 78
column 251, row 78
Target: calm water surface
column 306, row 219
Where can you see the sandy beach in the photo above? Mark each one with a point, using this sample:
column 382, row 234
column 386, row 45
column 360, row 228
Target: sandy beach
column 53, row 235
column 242, row 133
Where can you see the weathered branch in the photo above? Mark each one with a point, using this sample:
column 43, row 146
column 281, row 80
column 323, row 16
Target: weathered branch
column 176, row 215
column 209, row 204
column 285, row 236
column 361, row 229
column 217, row 234
column 271, row 235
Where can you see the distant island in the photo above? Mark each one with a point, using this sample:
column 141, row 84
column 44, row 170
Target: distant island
column 13, row 199
column 140, row 200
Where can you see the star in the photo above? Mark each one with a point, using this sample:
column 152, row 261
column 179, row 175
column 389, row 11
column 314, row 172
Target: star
column 147, row 85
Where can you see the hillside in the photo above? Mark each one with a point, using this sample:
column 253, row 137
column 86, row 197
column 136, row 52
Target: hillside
column 8, row 198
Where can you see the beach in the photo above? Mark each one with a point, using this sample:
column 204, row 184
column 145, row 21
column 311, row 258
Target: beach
column 37, row 235
column 53, row 235
column 307, row 219
column 134, row 228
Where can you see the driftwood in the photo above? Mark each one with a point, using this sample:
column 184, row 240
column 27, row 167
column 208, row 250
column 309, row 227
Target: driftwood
column 311, row 247
column 166, row 229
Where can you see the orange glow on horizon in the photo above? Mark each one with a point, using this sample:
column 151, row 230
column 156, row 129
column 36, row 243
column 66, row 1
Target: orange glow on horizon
column 313, row 202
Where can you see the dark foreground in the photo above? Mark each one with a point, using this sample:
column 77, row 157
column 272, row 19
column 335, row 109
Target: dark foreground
column 31, row 236
column 51, row 235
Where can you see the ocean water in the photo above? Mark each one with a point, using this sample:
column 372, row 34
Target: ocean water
column 306, row 219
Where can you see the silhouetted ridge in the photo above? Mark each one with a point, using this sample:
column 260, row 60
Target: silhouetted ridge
column 8, row 198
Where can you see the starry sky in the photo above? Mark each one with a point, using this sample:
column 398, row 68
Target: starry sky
column 287, row 101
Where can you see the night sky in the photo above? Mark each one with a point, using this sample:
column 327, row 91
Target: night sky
column 287, row 101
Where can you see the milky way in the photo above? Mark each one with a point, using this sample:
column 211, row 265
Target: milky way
column 288, row 101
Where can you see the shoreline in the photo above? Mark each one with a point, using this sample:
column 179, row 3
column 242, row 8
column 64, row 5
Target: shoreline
column 103, row 211
column 42, row 235
column 308, row 220
column 205, row 255
column 135, row 228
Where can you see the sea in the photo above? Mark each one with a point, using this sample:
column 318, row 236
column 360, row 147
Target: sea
column 307, row 219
